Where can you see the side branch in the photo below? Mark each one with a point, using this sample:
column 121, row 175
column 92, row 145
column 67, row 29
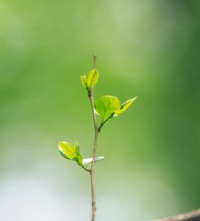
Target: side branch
column 189, row 216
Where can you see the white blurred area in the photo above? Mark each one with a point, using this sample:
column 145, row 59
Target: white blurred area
column 35, row 196
column 27, row 195
column 29, row 198
column 38, row 184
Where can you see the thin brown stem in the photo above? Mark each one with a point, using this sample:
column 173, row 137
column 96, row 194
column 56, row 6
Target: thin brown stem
column 93, row 157
column 91, row 98
column 95, row 59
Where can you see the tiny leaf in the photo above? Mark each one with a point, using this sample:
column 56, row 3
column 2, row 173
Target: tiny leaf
column 125, row 106
column 84, row 80
column 90, row 80
column 70, row 152
column 67, row 150
column 79, row 158
column 106, row 106
column 77, row 148
column 93, row 78
column 87, row 161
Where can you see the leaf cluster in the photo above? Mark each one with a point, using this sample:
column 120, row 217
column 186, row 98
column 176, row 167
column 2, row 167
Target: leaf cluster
column 106, row 107
column 90, row 81
column 109, row 106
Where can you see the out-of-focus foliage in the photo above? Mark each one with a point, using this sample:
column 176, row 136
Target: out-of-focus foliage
column 148, row 49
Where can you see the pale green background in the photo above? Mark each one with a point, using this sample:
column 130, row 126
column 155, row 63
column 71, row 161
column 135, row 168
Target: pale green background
column 149, row 49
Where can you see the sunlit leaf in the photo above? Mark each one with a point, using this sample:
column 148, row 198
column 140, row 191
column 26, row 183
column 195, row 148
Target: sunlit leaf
column 79, row 158
column 125, row 106
column 76, row 146
column 92, row 78
column 84, row 80
column 70, row 152
column 67, row 150
column 106, row 106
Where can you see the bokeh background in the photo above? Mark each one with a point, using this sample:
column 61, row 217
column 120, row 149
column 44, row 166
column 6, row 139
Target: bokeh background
column 149, row 49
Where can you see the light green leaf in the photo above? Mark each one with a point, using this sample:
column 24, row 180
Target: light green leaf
column 106, row 106
column 84, row 80
column 92, row 78
column 87, row 161
column 70, row 152
column 67, row 150
column 79, row 158
column 125, row 106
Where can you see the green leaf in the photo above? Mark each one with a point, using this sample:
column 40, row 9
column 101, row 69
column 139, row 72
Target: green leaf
column 76, row 146
column 79, row 158
column 84, row 80
column 125, row 106
column 106, row 106
column 70, row 152
column 92, row 78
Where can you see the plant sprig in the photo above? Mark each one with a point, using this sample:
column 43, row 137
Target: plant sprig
column 106, row 107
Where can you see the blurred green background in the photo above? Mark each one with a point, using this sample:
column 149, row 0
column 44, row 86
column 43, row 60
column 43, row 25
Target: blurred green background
column 149, row 49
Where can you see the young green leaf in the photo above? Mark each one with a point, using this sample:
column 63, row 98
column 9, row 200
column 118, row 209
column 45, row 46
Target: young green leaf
column 78, row 156
column 93, row 78
column 70, row 152
column 90, row 80
column 106, row 106
column 84, row 80
column 125, row 106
